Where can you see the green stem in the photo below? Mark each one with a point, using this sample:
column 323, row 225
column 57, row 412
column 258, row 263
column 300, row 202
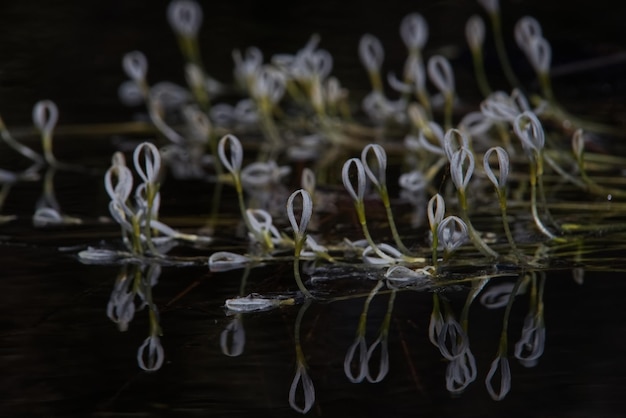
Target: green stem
column 296, row 267
column 384, row 195
column 496, row 24
column 473, row 235
column 360, row 210
column 479, row 72
column 505, row 223
column 533, row 201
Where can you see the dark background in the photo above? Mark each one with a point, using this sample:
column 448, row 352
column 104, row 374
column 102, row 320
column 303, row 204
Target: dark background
column 70, row 51
column 61, row 356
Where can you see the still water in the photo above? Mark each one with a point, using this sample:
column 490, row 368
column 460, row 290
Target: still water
column 65, row 352
column 63, row 356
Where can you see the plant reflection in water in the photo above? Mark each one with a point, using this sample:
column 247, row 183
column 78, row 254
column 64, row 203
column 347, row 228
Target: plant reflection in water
column 302, row 116
column 132, row 293
column 136, row 282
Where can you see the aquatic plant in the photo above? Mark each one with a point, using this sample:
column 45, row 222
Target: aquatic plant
column 291, row 126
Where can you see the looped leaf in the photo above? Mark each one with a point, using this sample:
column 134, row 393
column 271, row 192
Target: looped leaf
column 531, row 344
column 154, row 355
column 247, row 65
column 371, row 52
column 401, row 276
column 452, row 334
column 475, row 32
column 490, row 6
column 45, row 115
column 437, row 132
column 391, row 255
column 435, row 325
column 539, row 54
column 413, row 181
column 383, row 367
column 119, row 212
column 149, row 170
column 251, row 303
column 361, row 179
column 497, row 296
column 312, row 248
column 459, row 177
column 46, row 216
column 519, row 100
column 94, row 255
column 260, row 220
column 199, row 122
column 225, row 261
column 269, row 84
column 358, row 344
column 475, row 124
column 450, row 145
column 233, row 338
column 441, row 74
column 232, row 164
column 141, row 197
column 124, row 183
column 381, row 160
column 135, row 66
column 121, row 306
column 527, row 29
column 452, row 233
column 436, row 211
column 578, row 144
column 307, row 180
column 461, row 372
column 500, row 363
column 299, row 229
column 185, row 17
column 414, row 31
column 503, row 166
column 398, row 85
column 308, row 390
column 263, row 174
column 498, row 106
column 310, row 64
column 529, row 130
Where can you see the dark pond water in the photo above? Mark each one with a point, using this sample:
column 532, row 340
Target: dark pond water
column 61, row 355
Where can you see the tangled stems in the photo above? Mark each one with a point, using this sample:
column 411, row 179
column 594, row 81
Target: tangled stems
column 529, row 130
column 149, row 174
column 299, row 232
column 358, row 196
column 460, row 180
column 359, row 342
